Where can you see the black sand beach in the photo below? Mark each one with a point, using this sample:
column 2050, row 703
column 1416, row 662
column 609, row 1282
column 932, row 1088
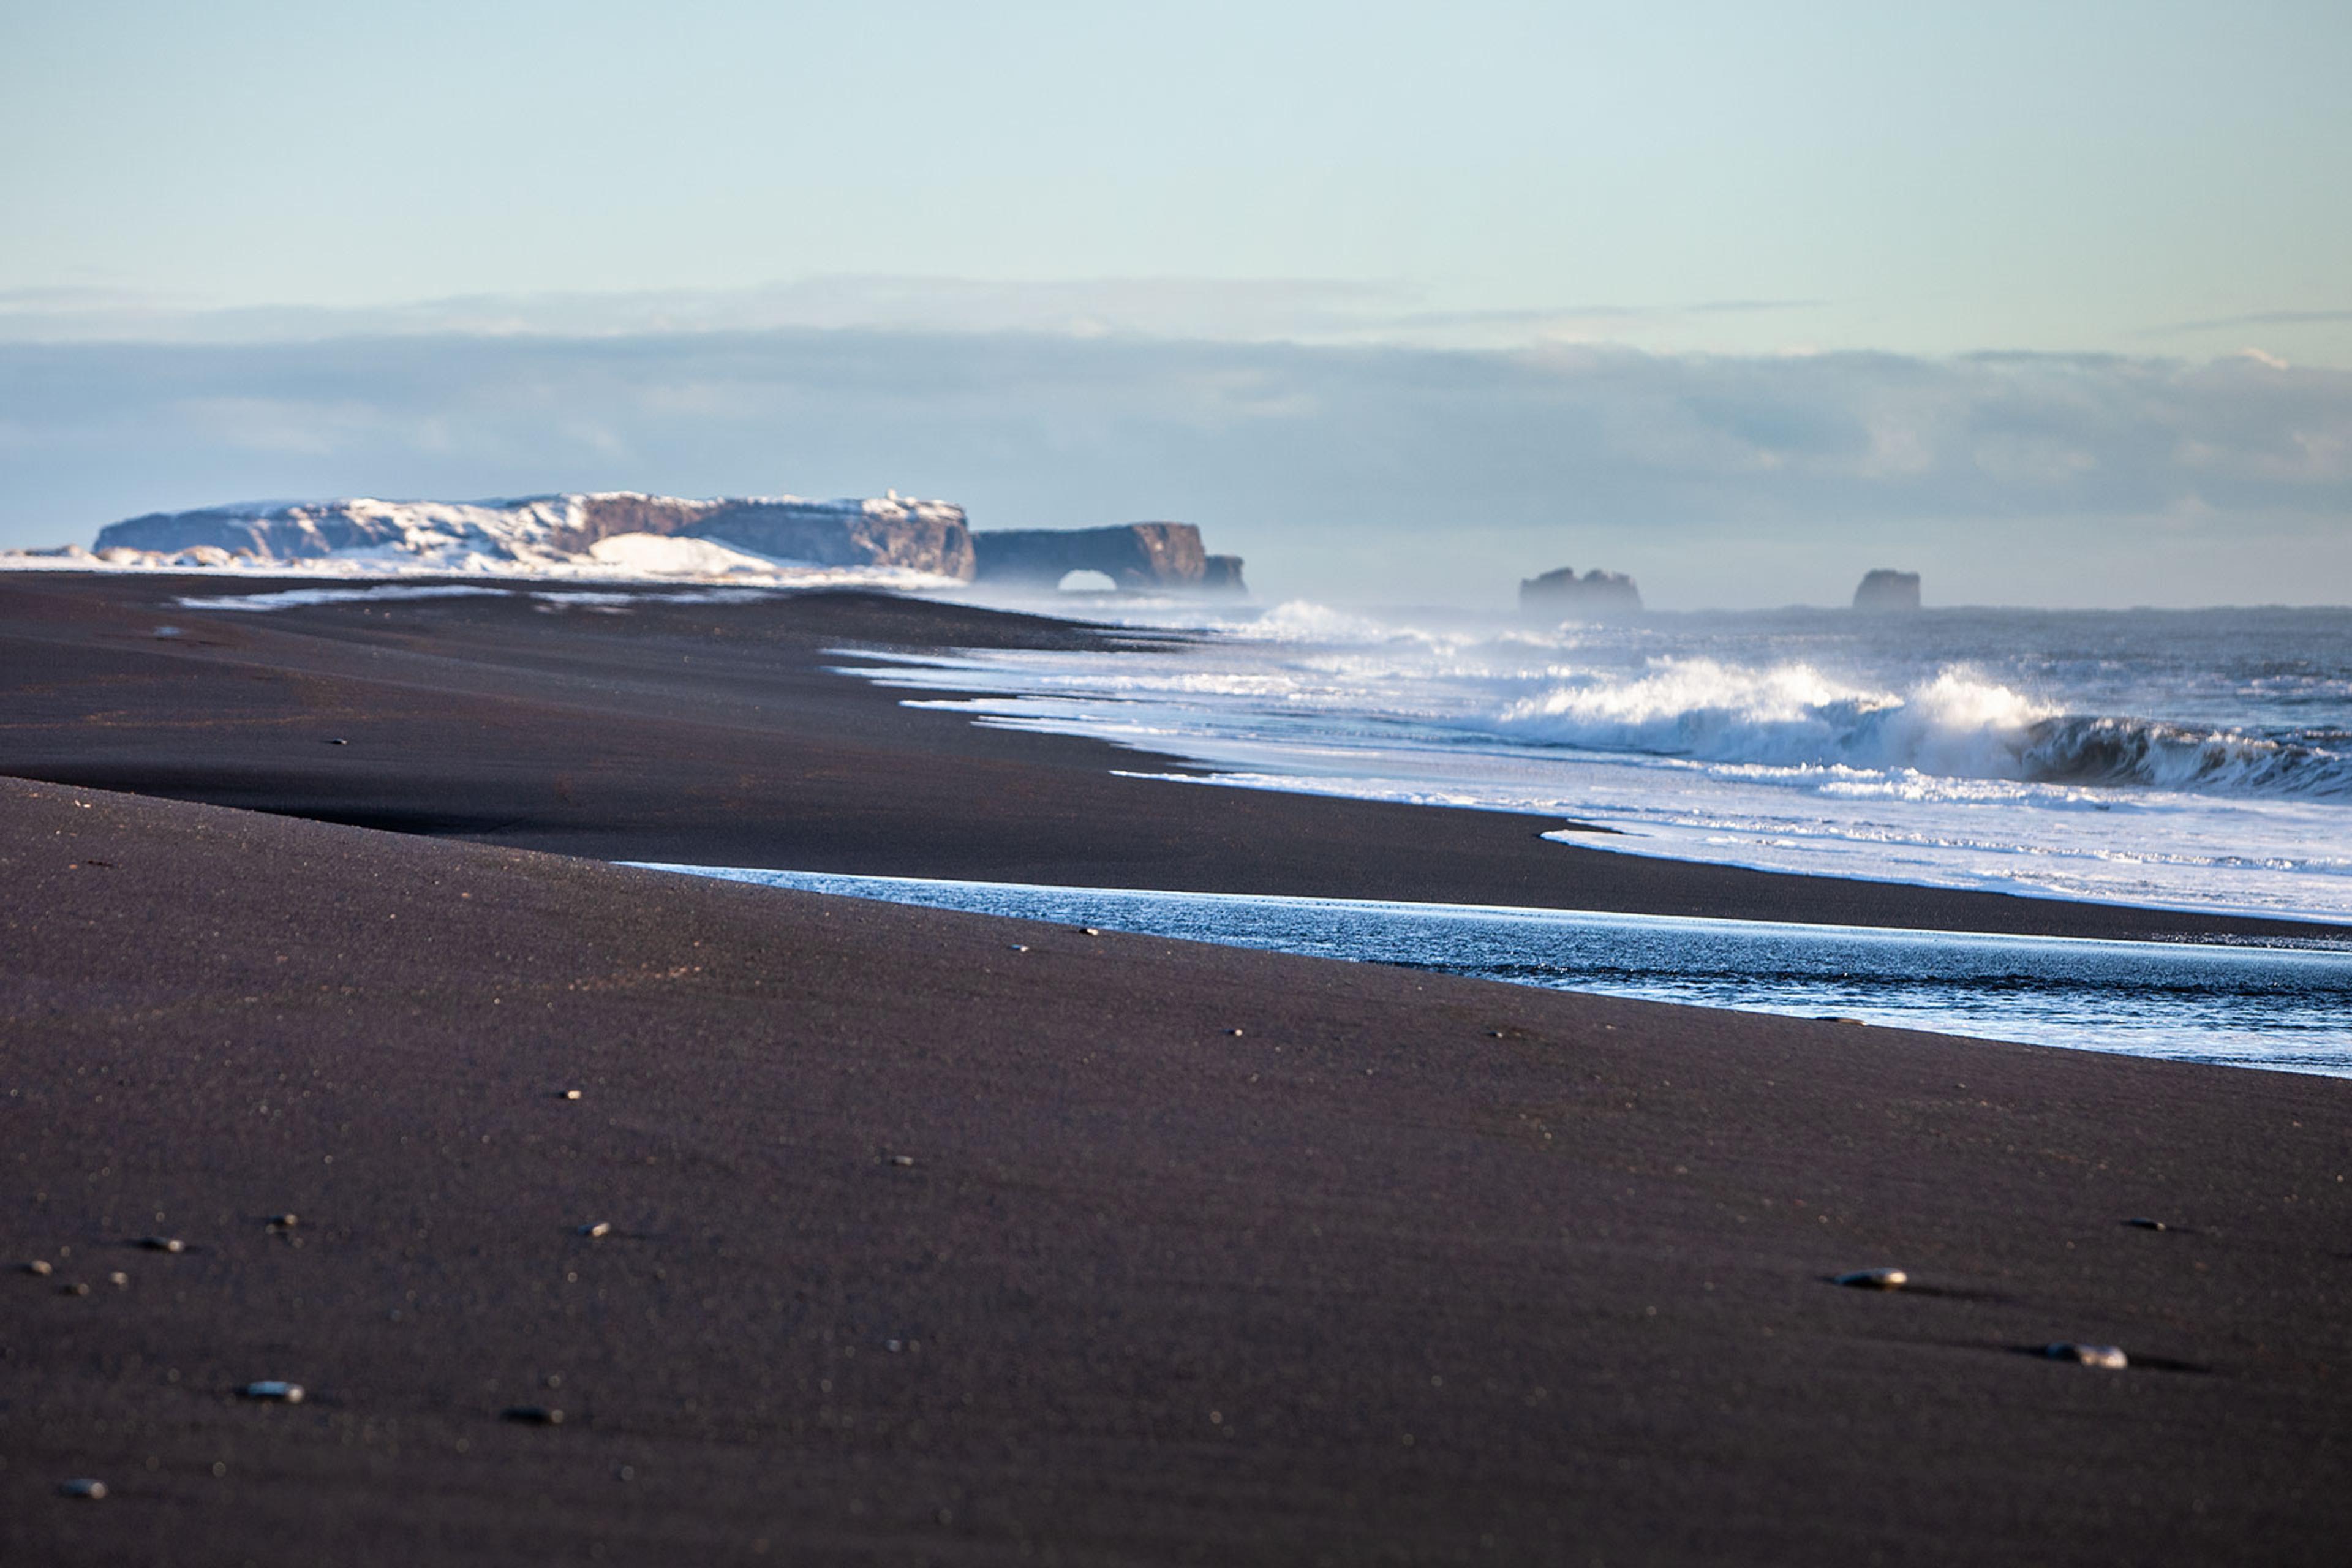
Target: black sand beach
column 926, row 1249
column 698, row 733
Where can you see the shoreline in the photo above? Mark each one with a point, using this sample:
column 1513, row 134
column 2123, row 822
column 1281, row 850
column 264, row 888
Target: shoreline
column 718, row 735
column 2274, row 1004
column 2340, row 942
column 1625, row 840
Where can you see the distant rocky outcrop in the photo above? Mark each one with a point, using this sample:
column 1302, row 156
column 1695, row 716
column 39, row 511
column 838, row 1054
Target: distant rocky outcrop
column 1221, row 574
column 1887, row 590
column 1595, row 596
column 1132, row 555
column 915, row 536
column 625, row 529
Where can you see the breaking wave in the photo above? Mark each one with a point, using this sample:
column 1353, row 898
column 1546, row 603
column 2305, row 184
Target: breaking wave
column 2171, row 756
column 1956, row 725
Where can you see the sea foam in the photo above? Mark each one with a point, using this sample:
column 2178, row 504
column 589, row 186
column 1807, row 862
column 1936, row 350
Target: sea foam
column 2196, row 760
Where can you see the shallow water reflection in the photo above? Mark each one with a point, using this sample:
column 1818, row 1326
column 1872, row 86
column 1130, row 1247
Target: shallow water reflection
column 2287, row 1007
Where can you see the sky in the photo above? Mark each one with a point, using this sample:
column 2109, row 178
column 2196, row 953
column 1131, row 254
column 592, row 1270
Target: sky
column 2052, row 302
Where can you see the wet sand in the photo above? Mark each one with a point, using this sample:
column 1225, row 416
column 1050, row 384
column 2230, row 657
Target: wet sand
column 1409, row 1269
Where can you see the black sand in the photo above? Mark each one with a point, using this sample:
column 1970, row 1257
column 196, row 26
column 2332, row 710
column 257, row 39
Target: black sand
column 1410, row 1270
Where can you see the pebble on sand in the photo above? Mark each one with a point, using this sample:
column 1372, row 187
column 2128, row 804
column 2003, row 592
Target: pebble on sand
column 2141, row 1221
column 902, row 1160
column 1875, row 1279
column 271, row 1389
column 1089, row 930
column 163, row 1244
column 76, row 1288
column 40, row 1267
column 597, row 1231
column 284, row 1221
column 532, row 1415
column 569, row 1094
column 2109, row 1356
column 82, row 1487
column 119, row 1279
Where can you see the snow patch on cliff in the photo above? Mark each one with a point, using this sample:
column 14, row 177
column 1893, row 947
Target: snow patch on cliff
column 619, row 536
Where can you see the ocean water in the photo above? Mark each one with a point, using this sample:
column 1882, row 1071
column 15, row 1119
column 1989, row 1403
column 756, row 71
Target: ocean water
column 2182, row 759
column 2287, row 1007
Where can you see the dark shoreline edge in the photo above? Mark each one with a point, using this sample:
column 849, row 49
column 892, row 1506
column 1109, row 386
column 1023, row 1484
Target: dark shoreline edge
column 719, row 734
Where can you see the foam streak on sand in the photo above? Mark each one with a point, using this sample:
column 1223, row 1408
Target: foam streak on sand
column 374, row 594
column 2194, row 760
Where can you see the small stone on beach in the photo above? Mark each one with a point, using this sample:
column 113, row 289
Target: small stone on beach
column 274, row 1392
column 119, row 1279
column 1875, row 1279
column 82, row 1487
column 163, row 1244
column 532, row 1415
column 1019, row 947
column 902, row 1160
column 76, row 1288
column 1088, row 931
column 2143, row 1223
column 569, row 1094
column 284, row 1221
column 40, row 1267
column 597, row 1231
column 2109, row 1356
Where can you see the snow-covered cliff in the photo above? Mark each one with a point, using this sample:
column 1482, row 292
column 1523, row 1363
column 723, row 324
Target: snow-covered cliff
column 613, row 530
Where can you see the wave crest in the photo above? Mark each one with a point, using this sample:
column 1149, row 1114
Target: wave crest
column 2171, row 756
column 1956, row 725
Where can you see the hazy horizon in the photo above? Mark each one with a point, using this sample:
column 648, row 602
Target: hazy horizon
column 2048, row 305
column 1353, row 473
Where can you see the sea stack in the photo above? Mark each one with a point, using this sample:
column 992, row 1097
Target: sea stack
column 1596, row 595
column 1885, row 589
column 1134, row 556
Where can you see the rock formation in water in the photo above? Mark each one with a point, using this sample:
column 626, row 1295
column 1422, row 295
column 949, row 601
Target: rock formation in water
column 1565, row 595
column 1885, row 589
column 1132, row 555
column 1221, row 574
column 916, row 535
